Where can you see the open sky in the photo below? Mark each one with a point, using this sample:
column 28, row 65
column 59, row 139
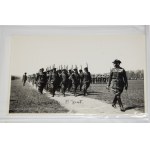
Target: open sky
column 29, row 53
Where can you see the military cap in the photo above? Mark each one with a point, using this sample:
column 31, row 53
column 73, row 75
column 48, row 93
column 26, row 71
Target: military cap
column 25, row 73
column 75, row 69
column 116, row 61
column 80, row 70
column 42, row 69
column 54, row 69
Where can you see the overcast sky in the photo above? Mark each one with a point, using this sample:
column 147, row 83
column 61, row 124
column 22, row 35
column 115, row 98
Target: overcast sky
column 31, row 52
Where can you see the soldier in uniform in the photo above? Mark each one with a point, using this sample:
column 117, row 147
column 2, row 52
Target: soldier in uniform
column 64, row 81
column 119, row 81
column 24, row 78
column 86, row 80
column 81, row 78
column 75, row 78
column 41, row 80
column 49, row 81
column 59, row 79
column 54, row 81
column 69, row 80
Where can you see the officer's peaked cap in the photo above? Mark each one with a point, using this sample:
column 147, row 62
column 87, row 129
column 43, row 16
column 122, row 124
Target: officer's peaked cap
column 116, row 61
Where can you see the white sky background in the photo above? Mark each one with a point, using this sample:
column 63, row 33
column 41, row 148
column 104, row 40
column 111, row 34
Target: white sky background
column 29, row 53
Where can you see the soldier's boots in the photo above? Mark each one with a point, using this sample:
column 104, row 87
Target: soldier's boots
column 114, row 105
column 122, row 108
column 121, row 105
column 85, row 92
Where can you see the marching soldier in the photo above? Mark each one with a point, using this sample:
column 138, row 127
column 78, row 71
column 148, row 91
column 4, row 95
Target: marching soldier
column 81, row 78
column 64, row 81
column 49, row 81
column 86, row 80
column 59, row 79
column 75, row 81
column 119, row 81
column 24, row 78
column 54, row 81
column 69, row 80
column 41, row 80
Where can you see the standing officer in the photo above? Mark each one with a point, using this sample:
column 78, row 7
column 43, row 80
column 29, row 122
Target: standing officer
column 86, row 80
column 24, row 78
column 118, row 79
column 41, row 80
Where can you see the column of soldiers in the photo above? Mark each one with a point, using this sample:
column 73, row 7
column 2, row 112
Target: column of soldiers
column 61, row 80
column 64, row 79
column 100, row 78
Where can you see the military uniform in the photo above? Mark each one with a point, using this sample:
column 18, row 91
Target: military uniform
column 41, row 80
column 86, row 81
column 69, row 85
column 54, row 81
column 75, row 78
column 64, row 82
column 24, row 79
column 118, row 80
column 81, row 79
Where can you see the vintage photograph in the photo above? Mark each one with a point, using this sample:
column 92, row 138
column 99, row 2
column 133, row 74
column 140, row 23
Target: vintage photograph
column 90, row 70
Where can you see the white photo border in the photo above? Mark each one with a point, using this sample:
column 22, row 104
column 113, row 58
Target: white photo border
column 6, row 32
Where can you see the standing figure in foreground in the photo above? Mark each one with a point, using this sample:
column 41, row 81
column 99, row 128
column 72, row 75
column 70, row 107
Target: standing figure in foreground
column 118, row 79
column 41, row 80
column 86, row 80
column 24, row 78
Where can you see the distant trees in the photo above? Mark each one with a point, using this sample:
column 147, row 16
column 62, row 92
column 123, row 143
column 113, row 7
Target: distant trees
column 135, row 74
column 14, row 77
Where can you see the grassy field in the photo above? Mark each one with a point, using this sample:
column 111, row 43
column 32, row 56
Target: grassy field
column 133, row 98
column 27, row 100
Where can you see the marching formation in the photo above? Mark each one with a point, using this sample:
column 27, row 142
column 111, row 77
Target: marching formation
column 61, row 80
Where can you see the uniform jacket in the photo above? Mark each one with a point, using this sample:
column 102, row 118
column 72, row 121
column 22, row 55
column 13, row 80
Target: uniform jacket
column 118, row 78
column 87, row 77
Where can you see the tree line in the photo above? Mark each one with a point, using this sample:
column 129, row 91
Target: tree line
column 135, row 74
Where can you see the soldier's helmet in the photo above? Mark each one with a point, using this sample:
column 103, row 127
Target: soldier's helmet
column 25, row 73
column 116, row 61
